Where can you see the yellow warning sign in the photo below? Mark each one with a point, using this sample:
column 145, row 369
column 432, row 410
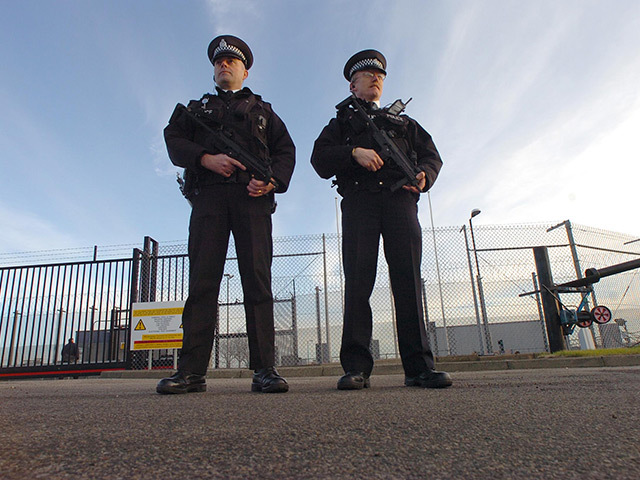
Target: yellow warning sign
column 162, row 340
column 157, row 345
column 152, row 312
column 156, row 325
column 163, row 336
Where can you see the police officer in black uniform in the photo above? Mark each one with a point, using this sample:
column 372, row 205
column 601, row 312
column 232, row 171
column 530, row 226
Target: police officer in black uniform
column 226, row 199
column 346, row 149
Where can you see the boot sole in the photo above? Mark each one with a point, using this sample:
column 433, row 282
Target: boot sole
column 428, row 385
column 281, row 388
column 354, row 386
column 178, row 391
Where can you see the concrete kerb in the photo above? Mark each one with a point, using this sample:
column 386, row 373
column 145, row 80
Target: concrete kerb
column 392, row 367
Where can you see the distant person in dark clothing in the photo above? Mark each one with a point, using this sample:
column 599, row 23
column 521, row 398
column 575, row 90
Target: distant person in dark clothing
column 70, row 352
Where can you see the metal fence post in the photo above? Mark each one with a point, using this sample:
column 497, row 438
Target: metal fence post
column 134, row 297
column 326, row 296
column 319, row 343
column 536, row 288
column 549, row 305
column 294, row 324
column 153, row 275
column 394, row 319
column 576, row 265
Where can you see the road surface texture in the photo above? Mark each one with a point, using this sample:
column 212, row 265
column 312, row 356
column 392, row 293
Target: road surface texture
column 561, row 423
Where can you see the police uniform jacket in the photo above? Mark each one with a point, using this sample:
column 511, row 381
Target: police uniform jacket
column 247, row 119
column 332, row 150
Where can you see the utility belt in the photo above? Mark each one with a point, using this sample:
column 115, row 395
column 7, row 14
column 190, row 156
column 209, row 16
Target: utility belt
column 238, row 176
column 346, row 185
column 194, row 182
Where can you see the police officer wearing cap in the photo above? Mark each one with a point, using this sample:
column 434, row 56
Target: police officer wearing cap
column 370, row 209
column 227, row 199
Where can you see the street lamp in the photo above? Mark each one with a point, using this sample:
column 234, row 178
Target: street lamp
column 483, row 308
column 473, row 290
column 228, row 276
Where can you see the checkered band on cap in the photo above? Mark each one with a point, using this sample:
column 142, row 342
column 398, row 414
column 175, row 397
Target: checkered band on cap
column 366, row 63
column 224, row 47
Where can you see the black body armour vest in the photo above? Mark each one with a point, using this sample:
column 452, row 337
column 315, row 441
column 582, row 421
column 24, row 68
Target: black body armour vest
column 244, row 117
column 355, row 132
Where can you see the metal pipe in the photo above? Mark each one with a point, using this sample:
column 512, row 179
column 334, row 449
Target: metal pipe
column 228, row 276
column 594, row 275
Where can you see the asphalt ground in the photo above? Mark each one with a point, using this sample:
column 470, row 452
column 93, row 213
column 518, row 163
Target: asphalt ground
column 544, row 423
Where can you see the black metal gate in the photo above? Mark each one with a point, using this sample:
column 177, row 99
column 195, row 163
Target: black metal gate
column 42, row 307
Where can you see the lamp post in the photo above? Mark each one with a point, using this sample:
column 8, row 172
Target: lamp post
column 483, row 308
column 228, row 276
column 473, row 290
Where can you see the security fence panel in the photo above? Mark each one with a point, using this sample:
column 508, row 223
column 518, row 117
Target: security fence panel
column 45, row 306
column 480, row 296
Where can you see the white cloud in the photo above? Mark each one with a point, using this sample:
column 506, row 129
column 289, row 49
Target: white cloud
column 577, row 169
column 528, row 115
column 23, row 231
column 229, row 17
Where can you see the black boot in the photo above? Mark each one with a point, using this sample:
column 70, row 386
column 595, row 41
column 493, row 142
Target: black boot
column 182, row 382
column 353, row 381
column 429, row 379
column 267, row 380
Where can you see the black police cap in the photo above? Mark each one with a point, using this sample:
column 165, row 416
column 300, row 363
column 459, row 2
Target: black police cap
column 365, row 60
column 230, row 46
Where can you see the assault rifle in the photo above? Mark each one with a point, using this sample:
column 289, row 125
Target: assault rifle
column 388, row 148
column 222, row 140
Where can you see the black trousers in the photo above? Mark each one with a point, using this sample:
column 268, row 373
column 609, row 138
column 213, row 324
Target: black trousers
column 366, row 216
column 219, row 210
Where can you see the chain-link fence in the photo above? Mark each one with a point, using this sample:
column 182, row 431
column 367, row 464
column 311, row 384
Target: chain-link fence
column 478, row 289
column 473, row 297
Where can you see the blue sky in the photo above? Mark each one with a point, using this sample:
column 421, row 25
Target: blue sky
column 534, row 107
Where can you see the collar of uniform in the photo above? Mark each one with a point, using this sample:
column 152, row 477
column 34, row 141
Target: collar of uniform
column 372, row 106
column 243, row 90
